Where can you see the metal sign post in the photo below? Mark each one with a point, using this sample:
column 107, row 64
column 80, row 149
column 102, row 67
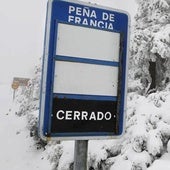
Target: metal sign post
column 80, row 154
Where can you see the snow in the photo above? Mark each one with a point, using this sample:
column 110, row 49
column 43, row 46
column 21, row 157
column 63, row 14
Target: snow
column 148, row 129
column 121, row 164
column 162, row 163
column 161, row 40
column 145, row 144
column 67, row 156
column 17, row 148
column 5, row 97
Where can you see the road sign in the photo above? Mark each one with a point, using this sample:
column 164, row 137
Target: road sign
column 84, row 71
column 21, row 81
column 15, row 85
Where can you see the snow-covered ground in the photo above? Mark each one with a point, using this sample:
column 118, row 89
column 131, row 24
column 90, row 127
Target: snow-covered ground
column 17, row 149
column 161, row 164
column 6, row 95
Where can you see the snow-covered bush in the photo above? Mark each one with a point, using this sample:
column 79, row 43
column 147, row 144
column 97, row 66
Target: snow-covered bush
column 101, row 151
column 55, row 151
column 147, row 131
column 32, row 125
column 148, row 117
column 154, row 143
column 150, row 49
column 22, row 100
column 27, row 97
column 168, row 146
column 27, row 103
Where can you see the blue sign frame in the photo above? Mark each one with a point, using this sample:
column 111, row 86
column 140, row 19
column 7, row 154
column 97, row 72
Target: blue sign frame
column 95, row 17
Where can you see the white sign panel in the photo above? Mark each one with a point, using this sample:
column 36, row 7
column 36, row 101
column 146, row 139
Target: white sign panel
column 87, row 43
column 88, row 79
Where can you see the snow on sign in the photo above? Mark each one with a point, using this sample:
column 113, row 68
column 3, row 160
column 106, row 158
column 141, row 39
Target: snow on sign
column 84, row 71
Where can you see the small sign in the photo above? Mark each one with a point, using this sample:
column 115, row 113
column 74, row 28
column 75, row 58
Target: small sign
column 15, row 85
column 83, row 91
column 20, row 81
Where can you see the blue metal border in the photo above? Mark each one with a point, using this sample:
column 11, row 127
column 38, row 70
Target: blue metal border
column 45, row 115
column 122, row 27
column 85, row 97
column 85, row 60
column 83, row 134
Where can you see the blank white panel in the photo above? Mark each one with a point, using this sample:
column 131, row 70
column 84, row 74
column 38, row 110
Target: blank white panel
column 88, row 79
column 85, row 42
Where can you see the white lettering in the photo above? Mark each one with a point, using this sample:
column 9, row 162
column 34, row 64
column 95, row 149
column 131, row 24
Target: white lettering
column 84, row 115
column 87, row 16
column 71, row 9
column 110, row 27
column 85, row 22
column 105, row 16
column 92, row 116
column 76, row 115
column 112, row 17
column 93, row 14
column 78, row 11
column 86, row 12
column 77, row 20
column 70, row 18
column 93, row 23
column 68, row 115
column 60, row 117
column 108, row 115
column 109, row 17
column 100, row 115
column 101, row 24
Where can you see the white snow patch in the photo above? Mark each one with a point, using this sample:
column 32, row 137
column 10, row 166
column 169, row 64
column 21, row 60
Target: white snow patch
column 17, row 148
column 162, row 163
column 67, row 156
